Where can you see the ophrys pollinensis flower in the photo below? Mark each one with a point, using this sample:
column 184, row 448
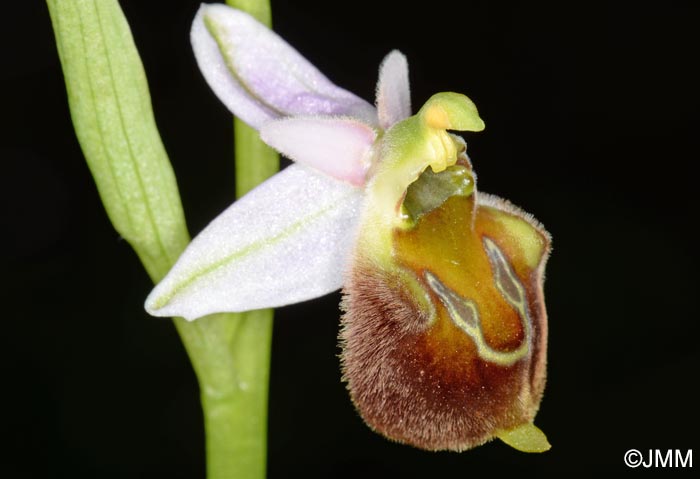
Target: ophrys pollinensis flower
column 444, row 327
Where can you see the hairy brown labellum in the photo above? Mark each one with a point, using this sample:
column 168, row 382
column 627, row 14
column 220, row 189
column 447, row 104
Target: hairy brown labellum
column 446, row 348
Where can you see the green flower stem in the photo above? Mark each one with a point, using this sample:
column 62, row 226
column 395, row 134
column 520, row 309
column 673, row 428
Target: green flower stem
column 248, row 146
column 231, row 356
column 247, row 410
column 113, row 119
column 260, row 9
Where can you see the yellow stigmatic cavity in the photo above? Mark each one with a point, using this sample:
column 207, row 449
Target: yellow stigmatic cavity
column 434, row 189
column 444, row 333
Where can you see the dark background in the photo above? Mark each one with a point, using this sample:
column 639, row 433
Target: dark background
column 591, row 114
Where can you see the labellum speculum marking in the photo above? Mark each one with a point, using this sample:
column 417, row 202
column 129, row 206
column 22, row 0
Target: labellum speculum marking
column 444, row 336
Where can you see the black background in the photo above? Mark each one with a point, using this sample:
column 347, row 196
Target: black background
column 591, row 114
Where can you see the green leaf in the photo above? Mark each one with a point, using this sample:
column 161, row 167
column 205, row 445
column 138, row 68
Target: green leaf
column 111, row 110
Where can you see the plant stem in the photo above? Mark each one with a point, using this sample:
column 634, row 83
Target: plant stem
column 236, row 417
column 231, row 355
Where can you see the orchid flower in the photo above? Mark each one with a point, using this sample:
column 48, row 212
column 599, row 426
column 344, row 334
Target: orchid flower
column 444, row 327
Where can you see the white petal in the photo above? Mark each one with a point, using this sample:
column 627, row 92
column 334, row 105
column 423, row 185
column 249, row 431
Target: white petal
column 259, row 76
column 393, row 92
column 338, row 147
column 285, row 242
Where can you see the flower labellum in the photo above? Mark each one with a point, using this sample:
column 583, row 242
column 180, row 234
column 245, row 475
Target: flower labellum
column 444, row 330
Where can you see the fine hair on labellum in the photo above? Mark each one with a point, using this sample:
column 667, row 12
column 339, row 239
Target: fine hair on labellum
column 431, row 393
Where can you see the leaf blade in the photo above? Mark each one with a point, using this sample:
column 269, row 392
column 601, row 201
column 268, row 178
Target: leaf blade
column 111, row 111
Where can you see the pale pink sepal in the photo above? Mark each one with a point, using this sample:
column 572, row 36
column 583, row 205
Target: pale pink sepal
column 338, row 147
column 393, row 91
column 285, row 242
column 259, row 76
